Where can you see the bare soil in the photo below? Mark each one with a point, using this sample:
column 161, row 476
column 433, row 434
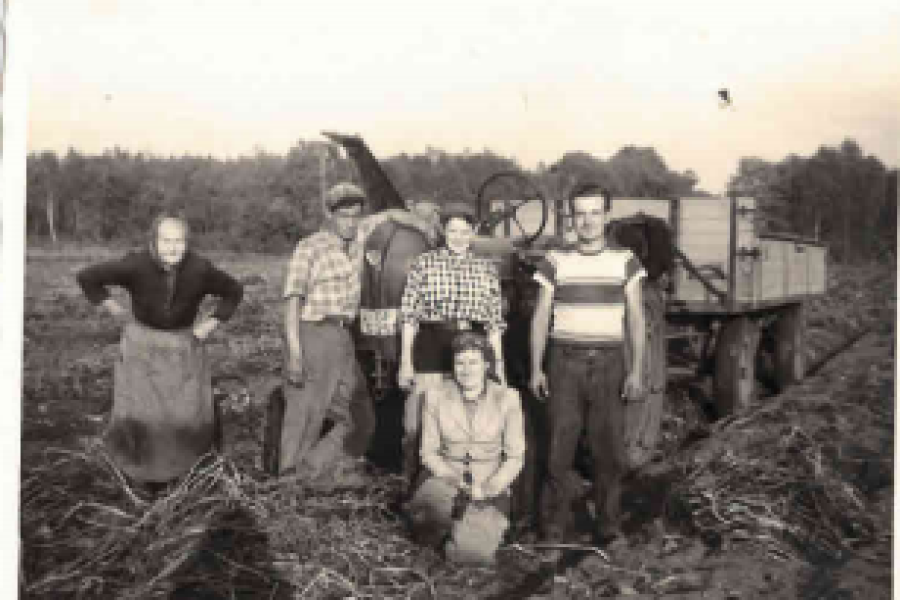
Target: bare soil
column 792, row 499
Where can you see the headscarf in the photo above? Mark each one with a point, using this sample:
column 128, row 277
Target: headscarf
column 153, row 236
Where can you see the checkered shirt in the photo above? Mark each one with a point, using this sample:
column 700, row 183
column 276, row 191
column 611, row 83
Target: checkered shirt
column 443, row 286
column 327, row 277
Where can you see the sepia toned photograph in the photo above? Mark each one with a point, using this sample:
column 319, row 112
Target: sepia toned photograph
column 506, row 299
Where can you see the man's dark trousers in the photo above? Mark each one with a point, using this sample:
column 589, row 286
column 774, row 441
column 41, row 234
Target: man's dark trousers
column 586, row 385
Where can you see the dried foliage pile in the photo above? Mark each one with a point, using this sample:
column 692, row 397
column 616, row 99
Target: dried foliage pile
column 776, row 490
column 774, row 476
column 220, row 533
column 858, row 300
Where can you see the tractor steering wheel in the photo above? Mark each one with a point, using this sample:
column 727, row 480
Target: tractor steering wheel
column 500, row 199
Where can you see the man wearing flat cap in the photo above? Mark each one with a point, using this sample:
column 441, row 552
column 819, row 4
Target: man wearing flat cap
column 323, row 381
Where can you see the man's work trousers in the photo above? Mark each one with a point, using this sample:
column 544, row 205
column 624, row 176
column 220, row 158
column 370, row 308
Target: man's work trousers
column 335, row 388
column 585, row 396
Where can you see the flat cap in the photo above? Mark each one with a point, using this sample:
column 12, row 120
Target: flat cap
column 344, row 194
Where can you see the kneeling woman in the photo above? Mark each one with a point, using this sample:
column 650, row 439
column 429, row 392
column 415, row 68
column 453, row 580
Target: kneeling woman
column 473, row 445
column 162, row 417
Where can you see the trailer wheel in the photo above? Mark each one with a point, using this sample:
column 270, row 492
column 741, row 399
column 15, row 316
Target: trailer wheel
column 734, row 380
column 790, row 346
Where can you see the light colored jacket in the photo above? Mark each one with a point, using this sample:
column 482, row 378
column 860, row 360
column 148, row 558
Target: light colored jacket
column 492, row 436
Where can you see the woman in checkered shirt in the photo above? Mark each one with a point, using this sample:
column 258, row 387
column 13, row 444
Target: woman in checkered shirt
column 448, row 290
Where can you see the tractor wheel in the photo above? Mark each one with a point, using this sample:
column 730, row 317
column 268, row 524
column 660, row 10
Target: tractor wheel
column 790, row 346
column 271, row 446
column 514, row 189
column 643, row 417
column 734, row 380
column 526, row 489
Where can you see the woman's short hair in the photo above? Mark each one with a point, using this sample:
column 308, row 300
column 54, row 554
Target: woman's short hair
column 458, row 210
column 471, row 340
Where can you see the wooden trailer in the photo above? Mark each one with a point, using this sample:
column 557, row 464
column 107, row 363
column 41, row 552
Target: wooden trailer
column 737, row 292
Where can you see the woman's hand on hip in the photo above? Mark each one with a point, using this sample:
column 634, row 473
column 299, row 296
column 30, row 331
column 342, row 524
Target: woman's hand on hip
column 204, row 328
column 116, row 310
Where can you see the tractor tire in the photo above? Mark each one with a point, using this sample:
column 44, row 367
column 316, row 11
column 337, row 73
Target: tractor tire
column 271, row 446
column 790, row 346
column 526, row 489
column 643, row 416
column 734, row 379
column 218, row 425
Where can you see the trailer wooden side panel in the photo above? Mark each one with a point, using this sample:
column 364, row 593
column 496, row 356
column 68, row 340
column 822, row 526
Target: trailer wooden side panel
column 790, row 268
column 747, row 281
column 798, row 270
column 773, row 272
column 703, row 236
column 626, row 207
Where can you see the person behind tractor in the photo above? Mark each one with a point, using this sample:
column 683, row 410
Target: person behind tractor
column 473, row 445
column 448, row 290
column 325, row 388
column 162, row 418
column 592, row 292
column 427, row 210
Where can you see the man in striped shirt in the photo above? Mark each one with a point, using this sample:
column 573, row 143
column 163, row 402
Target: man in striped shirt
column 590, row 293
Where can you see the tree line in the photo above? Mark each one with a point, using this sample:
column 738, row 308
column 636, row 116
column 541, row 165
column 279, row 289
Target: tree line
column 266, row 202
column 838, row 195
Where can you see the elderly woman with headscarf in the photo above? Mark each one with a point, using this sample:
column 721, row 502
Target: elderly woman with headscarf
column 448, row 290
column 473, row 446
column 162, row 416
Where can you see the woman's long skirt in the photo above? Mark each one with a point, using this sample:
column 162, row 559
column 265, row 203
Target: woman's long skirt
column 162, row 418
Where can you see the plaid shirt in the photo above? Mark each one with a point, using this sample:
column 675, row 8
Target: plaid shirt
column 326, row 276
column 443, row 286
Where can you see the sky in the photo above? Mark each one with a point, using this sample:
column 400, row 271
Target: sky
column 526, row 79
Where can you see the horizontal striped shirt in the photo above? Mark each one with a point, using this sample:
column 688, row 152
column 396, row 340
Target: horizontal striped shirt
column 588, row 293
